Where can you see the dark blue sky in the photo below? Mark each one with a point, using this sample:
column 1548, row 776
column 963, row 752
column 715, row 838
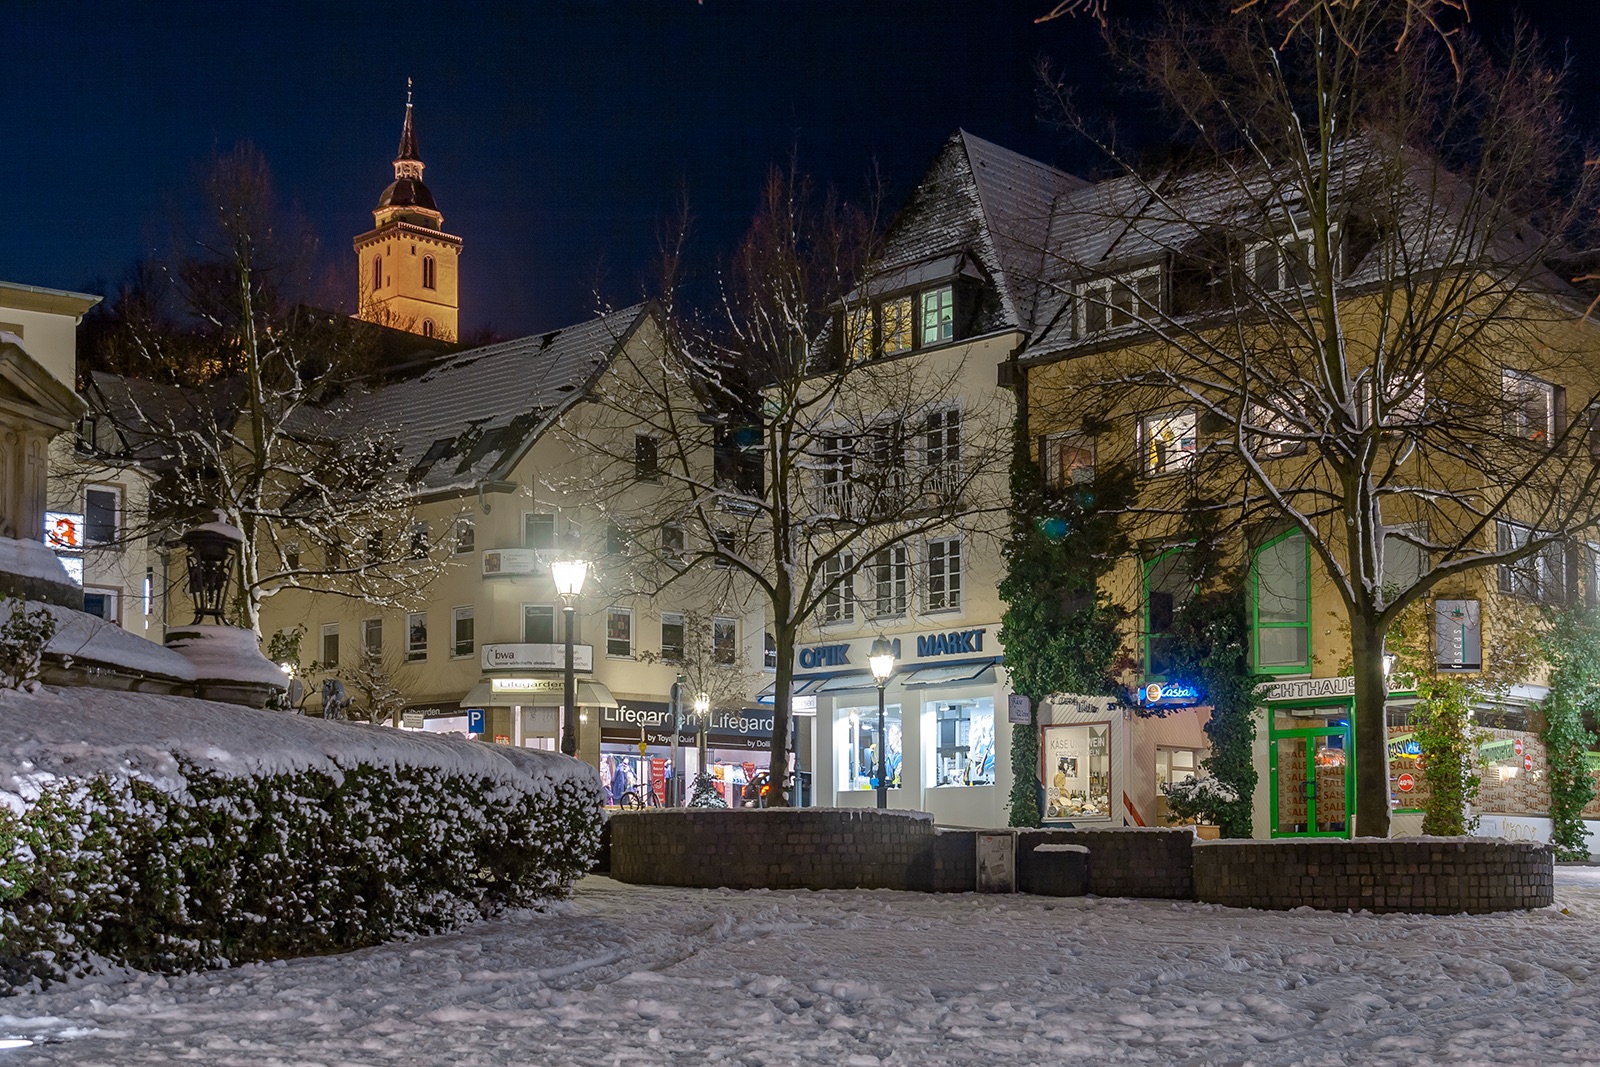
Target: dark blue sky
column 557, row 135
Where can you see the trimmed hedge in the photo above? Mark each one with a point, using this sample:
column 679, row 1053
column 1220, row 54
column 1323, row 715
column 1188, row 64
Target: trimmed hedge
column 200, row 869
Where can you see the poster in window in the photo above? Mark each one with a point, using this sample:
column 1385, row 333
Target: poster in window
column 1077, row 772
column 1458, row 631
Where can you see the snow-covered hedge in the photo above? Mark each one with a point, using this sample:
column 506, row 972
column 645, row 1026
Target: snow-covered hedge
column 171, row 834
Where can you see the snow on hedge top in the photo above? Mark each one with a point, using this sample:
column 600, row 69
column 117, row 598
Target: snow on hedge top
column 80, row 733
column 31, row 559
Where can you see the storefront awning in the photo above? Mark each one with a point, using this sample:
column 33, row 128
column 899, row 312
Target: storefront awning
column 839, row 683
column 589, row 695
column 950, row 674
column 798, row 687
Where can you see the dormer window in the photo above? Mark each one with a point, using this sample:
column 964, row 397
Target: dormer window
column 938, row 315
column 897, row 325
column 1112, row 303
column 1283, row 262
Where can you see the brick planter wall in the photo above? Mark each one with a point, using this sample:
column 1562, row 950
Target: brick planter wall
column 1438, row 877
column 780, row 848
column 1123, row 861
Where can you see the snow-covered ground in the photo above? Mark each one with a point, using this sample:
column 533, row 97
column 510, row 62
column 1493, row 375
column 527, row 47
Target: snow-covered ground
column 633, row 975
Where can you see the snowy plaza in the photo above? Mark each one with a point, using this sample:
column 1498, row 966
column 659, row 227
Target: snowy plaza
column 638, row 975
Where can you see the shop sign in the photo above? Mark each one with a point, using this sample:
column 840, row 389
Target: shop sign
column 1019, row 710
column 526, row 685
column 523, row 657
column 954, row 643
column 509, row 562
column 1458, row 628
column 63, row 531
column 1316, row 688
column 1494, row 751
column 802, row 705
column 1169, row 694
column 413, row 718
column 1405, row 746
column 659, row 717
column 827, row 656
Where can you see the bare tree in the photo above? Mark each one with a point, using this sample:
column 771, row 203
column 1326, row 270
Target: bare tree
column 240, row 397
column 770, row 453
column 1361, row 306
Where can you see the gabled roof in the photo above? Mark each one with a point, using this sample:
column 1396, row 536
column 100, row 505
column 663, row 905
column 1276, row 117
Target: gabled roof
column 474, row 416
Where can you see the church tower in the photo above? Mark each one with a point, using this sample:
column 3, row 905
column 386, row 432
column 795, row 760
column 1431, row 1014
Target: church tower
column 406, row 265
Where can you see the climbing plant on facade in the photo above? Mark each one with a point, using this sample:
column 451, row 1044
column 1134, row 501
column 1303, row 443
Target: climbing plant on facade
column 1572, row 646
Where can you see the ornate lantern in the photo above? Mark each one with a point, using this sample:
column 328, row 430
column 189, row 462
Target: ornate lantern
column 211, row 546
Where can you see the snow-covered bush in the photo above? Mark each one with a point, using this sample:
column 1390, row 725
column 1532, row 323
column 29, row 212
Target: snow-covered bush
column 704, row 794
column 1199, row 798
column 188, row 857
column 23, row 637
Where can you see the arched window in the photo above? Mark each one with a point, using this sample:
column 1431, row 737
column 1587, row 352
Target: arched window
column 429, row 274
column 427, row 327
column 377, row 273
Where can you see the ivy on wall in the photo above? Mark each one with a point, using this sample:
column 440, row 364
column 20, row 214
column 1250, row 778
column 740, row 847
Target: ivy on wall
column 1060, row 634
column 1572, row 645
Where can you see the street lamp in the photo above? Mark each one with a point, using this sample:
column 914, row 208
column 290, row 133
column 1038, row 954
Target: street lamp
column 211, row 547
column 881, row 659
column 569, row 575
column 702, row 714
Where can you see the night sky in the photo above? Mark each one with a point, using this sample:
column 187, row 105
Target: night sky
column 557, row 135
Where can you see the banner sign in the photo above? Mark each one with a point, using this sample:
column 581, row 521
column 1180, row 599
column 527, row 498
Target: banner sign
column 524, row 657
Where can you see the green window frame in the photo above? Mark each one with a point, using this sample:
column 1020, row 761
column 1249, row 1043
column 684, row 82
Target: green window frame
column 1280, row 604
column 1166, row 592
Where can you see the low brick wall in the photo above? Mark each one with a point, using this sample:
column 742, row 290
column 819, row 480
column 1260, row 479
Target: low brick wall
column 1123, row 861
column 780, row 848
column 1437, row 877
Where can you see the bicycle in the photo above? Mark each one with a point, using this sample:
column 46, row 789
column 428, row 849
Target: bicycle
column 632, row 801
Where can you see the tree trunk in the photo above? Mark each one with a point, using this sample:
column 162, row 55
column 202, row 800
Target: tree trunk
column 782, row 685
column 1370, row 725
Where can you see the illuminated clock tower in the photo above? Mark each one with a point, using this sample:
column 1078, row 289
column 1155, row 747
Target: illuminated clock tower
column 406, row 265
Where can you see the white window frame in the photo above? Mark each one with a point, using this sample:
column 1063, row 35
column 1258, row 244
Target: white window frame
column 619, row 613
column 463, row 613
column 1101, row 294
column 329, row 629
column 838, row 605
column 731, row 649
column 113, row 597
column 1540, row 577
column 416, row 651
column 115, row 492
column 366, row 635
column 555, row 625
column 466, row 537
column 527, row 542
column 674, row 544
column 951, row 595
column 889, row 581
column 1516, row 406
column 1186, row 457
column 668, row 653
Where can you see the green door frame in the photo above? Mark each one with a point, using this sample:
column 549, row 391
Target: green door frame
column 1308, row 734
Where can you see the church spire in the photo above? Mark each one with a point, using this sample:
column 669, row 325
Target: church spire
column 407, row 163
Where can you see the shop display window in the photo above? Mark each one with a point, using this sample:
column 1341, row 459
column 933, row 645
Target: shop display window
column 1077, row 771
column 858, row 755
column 964, row 752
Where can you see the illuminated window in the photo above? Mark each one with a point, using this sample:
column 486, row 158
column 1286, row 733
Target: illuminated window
column 1067, row 459
column 858, row 333
column 1167, row 442
column 896, row 325
column 938, row 315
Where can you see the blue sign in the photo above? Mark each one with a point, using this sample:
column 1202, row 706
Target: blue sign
column 474, row 720
column 1171, row 694
column 824, row 656
column 954, row 643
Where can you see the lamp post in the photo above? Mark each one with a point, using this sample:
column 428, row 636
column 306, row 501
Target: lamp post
column 702, row 713
column 211, row 546
column 881, row 659
column 569, row 575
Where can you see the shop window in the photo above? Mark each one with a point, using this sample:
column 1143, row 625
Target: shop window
column 416, row 636
column 858, row 748
column 1077, row 771
column 100, row 514
column 838, row 598
column 1174, row 765
column 538, row 530
column 330, row 646
column 672, row 631
column 372, row 636
column 1167, row 442
column 1281, row 579
column 466, row 537
column 1532, row 407
column 964, row 751
column 646, row 458
column 938, row 315
column 769, row 652
column 896, row 325
column 538, row 624
column 461, row 638
column 944, row 574
column 1067, row 459
column 102, row 603
column 889, row 576
column 724, row 642
column 1168, row 585
column 1540, row 576
column 619, row 632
